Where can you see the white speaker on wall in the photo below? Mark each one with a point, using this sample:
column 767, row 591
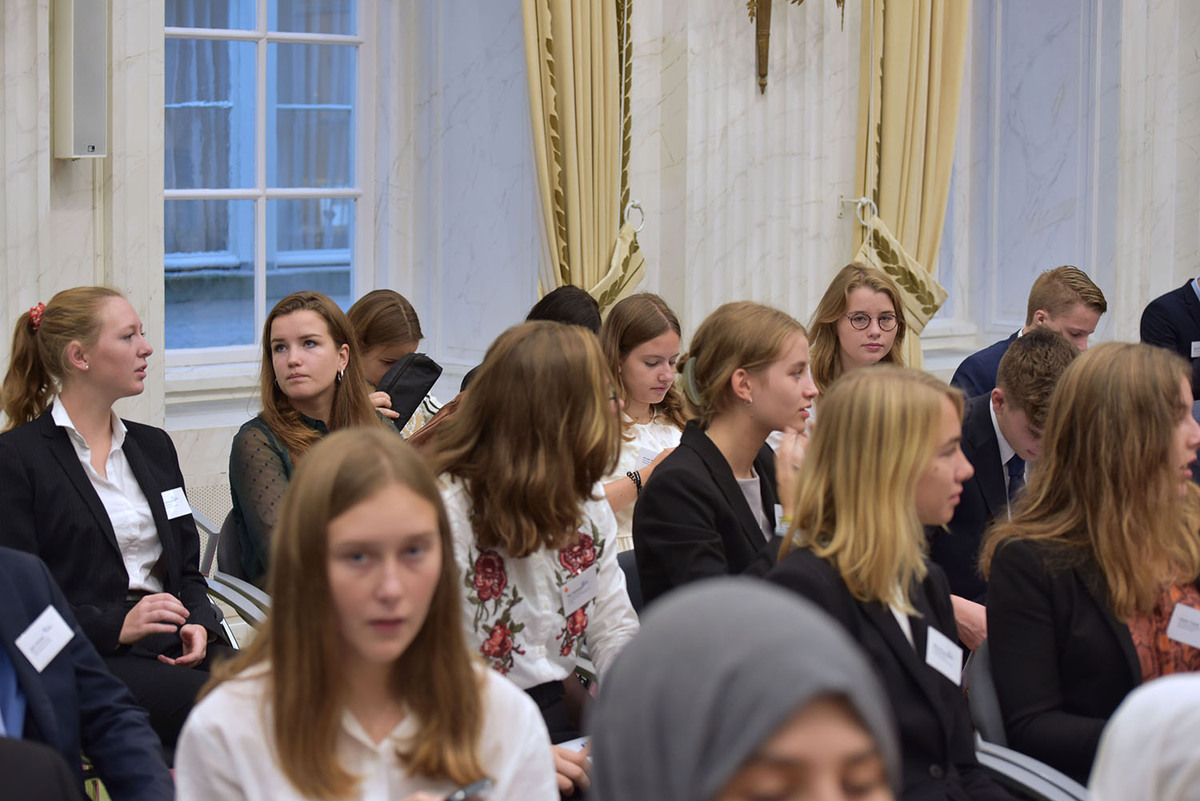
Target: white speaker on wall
column 79, row 81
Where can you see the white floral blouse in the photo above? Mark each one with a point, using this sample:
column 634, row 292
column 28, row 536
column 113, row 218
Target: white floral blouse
column 513, row 610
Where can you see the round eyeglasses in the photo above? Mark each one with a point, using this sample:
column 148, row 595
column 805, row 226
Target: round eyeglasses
column 861, row 321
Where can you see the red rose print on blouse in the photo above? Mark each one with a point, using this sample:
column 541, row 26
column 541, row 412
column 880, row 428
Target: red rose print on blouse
column 577, row 623
column 499, row 648
column 490, row 578
column 580, row 556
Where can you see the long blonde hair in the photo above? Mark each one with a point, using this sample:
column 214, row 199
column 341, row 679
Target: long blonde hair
column 825, row 347
column 1106, row 486
column 631, row 322
column 532, row 437
column 436, row 677
column 856, row 499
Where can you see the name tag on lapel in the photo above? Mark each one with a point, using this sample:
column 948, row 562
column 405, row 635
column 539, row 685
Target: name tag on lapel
column 1185, row 625
column 176, row 503
column 943, row 655
column 1195, row 350
column 579, row 590
column 46, row 636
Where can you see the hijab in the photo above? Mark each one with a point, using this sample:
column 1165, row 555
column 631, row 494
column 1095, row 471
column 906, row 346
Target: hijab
column 717, row 667
column 1149, row 747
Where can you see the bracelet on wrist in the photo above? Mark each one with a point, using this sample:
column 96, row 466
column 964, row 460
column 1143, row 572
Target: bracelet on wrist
column 636, row 478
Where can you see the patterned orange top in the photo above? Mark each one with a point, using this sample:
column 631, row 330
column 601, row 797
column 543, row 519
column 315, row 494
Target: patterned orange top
column 1159, row 654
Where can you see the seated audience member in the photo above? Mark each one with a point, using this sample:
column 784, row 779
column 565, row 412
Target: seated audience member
column 761, row 716
column 641, row 338
column 361, row 684
column 884, row 462
column 1083, row 581
column 71, row 703
column 534, row 537
column 713, row 504
column 386, row 330
column 1172, row 321
column 1001, row 434
column 1063, row 299
column 859, row 322
column 1148, row 749
column 101, row 500
column 309, row 385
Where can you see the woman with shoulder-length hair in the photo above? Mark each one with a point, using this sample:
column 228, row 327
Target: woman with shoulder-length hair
column 1101, row 551
column 101, row 500
column 361, row 684
column 309, row 385
column 713, row 505
column 859, row 322
column 534, row 537
column 884, row 463
column 641, row 339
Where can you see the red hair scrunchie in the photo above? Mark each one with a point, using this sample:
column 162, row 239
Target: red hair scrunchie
column 35, row 315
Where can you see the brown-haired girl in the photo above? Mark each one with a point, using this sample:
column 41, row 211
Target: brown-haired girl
column 859, row 322
column 309, row 385
column 641, row 339
column 361, row 684
column 534, row 536
column 101, row 500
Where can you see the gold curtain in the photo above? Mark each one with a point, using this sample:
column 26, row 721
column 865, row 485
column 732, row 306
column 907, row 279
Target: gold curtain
column 913, row 53
column 578, row 54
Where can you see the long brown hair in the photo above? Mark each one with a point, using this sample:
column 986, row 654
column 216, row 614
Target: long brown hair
column 1106, row 486
column 631, row 322
column 383, row 317
column 37, row 367
column 436, row 677
column 534, row 434
column 351, row 401
column 825, row 348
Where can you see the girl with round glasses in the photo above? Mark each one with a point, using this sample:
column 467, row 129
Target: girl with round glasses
column 859, row 322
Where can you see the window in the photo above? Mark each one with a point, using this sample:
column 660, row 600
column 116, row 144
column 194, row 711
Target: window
column 261, row 196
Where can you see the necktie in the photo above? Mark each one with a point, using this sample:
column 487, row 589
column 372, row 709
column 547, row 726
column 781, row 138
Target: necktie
column 1016, row 477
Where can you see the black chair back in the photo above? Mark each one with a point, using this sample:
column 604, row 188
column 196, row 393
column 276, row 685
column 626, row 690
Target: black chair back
column 633, row 584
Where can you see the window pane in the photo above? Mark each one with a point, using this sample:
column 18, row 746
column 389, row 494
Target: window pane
column 313, row 16
column 209, row 272
column 310, row 132
column 209, row 115
column 210, row 14
column 311, row 248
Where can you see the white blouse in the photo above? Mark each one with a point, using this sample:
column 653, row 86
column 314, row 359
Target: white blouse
column 513, row 609
column 656, row 436
column 227, row 750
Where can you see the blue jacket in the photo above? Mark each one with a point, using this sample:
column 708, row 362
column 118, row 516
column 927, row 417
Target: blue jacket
column 977, row 373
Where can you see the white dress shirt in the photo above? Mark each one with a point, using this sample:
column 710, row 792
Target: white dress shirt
column 656, row 436
column 123, row 499
column 227, row 750
column 513, row 608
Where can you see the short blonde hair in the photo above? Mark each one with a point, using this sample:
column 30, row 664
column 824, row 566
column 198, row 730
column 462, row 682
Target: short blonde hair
column 1061, row 289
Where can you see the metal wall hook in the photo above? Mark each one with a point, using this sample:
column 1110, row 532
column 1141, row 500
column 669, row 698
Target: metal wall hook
column 860, row 204
column 630, row 206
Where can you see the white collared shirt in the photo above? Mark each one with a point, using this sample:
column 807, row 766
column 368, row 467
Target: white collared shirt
column 123, row 499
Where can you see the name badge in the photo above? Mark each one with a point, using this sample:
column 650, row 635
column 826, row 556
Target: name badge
column 579, row 590
column 943, row 655
column 1195, row 350
column 1185, row 625
column 778, row 514
column 45, row 637
column 176, row 503
column 646, row 456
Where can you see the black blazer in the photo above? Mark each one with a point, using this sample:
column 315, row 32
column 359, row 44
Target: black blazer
column 1061, row 660
column 937, row 742
column 51, row 509
column 1172, row 321
column 977, row 373
column 74, row 703
column 984, row 498
column 692, row 520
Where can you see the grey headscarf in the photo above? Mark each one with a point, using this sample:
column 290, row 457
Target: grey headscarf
column 717, row 667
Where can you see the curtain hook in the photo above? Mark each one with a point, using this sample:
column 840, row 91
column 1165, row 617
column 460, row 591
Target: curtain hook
column 630, row 206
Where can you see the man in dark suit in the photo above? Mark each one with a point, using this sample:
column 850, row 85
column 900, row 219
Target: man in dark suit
column 1172, row 321
column 55, row 689
column 1002, row 432
column 1063, row 299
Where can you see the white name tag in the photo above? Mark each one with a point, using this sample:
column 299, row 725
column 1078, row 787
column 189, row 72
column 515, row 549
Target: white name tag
column 778, row 514
column 1185, row 625
column 579, row 590
column 176, row 503
column 943, row 655
column 1195, row 350
column 45, row 637
column 646, row 456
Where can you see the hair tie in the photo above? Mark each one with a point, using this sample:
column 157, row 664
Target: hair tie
column 689, row 380
column 35, row 315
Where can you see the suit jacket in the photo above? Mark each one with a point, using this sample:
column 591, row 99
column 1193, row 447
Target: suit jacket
column 984, row 498
column 692, row 520
column 938, row 745
column 977, row 373
column 1061, row 660
column 75, row 705
column 1172, row 321
column 51, row 509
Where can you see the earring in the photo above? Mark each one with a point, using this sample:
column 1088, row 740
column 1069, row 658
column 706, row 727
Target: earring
column 340, row 374
column 750, row 402
column 85, row 367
